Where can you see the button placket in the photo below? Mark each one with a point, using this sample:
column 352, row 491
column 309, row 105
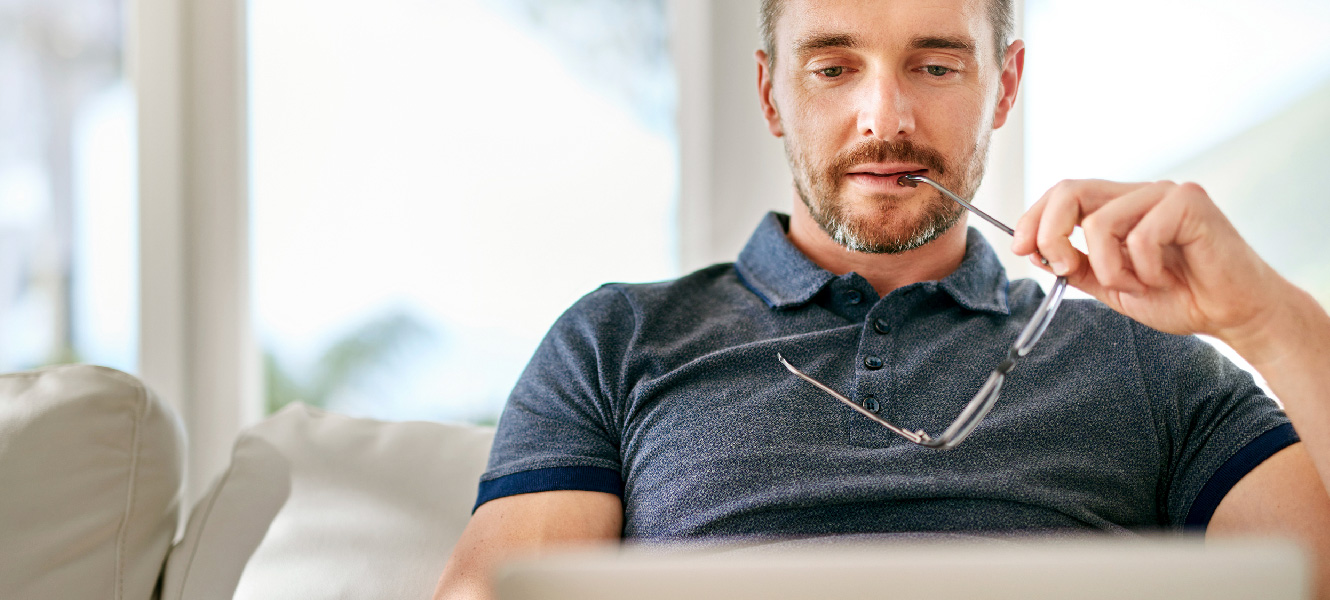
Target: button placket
column 873, row 378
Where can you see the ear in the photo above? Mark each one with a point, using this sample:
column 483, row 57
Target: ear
column 1012, row 68
column 769, row 111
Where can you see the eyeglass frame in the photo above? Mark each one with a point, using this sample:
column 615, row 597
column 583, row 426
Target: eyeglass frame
column 983, row 401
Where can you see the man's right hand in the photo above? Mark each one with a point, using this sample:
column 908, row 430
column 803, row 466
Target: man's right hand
column 522, row 525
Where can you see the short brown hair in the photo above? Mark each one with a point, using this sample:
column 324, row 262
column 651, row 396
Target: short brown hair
column 999, row 14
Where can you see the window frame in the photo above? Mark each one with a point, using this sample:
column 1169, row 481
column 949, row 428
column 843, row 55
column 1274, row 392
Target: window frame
column 197, row 349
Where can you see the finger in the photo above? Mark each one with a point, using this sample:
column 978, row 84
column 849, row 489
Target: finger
column 1154, row 242
column 1084, row 279
column 1095, row 192
column 1060, row 215
column 1106, row 231
column 1023, row 242
column 1063, row 208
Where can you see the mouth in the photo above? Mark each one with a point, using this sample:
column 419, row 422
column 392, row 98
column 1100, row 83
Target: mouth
column 885, row 176
column 888, row 172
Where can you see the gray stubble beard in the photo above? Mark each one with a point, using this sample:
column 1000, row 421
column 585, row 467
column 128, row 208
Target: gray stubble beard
column 828, row 211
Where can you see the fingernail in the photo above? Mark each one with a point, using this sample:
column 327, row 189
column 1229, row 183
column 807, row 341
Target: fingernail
column 1060, row 268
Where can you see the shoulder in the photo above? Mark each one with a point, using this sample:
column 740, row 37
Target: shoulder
column 694, row 292
column 621, row 307
column 1088, row 327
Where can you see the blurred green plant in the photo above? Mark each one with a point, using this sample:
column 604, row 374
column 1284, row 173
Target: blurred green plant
column 367, row 349
column 63, row 354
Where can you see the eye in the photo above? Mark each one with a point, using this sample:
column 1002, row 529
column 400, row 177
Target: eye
column 832, row 71
column 937, row 71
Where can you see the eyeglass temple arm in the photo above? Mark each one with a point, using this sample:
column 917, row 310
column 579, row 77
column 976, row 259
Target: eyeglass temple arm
column 918, row 437
column 915, row 180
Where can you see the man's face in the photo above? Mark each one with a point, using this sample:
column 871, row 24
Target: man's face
column 863, row 91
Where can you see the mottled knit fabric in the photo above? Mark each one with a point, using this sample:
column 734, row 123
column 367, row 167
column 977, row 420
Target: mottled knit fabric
column 670, row 395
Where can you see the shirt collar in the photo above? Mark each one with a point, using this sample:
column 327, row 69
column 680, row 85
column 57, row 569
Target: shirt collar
column 779, row 273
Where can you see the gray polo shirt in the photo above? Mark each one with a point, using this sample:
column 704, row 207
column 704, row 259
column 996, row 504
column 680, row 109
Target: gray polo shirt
column 669, row 395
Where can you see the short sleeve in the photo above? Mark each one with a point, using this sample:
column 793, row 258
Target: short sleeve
column 1218, row 424
column 559, row 428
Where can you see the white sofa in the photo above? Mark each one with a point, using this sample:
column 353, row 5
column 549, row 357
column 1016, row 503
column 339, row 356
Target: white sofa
column 313, row 505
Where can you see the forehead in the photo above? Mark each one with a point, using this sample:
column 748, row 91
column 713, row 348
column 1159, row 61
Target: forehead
column 882, row 23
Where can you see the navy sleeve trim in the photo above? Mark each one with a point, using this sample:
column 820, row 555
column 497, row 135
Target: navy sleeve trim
column 587, row 479
column 1235, row 469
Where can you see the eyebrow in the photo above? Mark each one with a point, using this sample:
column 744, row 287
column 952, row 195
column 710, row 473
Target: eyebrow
column 943, row 43
column 817, row 42
column 844, row 40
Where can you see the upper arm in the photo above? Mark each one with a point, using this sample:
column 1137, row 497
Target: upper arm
column 1284, row 497
column 513, row 525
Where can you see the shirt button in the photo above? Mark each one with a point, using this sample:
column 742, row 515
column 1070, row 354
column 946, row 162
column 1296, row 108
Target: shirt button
column 873, row 363
column 881, row 326
column 871, row 404
column 853, row 296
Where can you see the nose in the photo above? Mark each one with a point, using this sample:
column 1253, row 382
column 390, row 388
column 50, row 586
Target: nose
column 885, row 111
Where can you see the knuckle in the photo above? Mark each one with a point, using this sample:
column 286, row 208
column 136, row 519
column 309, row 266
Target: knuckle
column 1024, row 223
column 1137, row 241
column 1047, row 239
column 1191, row 187
column 1113, row 278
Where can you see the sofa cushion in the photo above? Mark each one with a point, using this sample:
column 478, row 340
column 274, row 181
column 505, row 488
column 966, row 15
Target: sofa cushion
column 91, row 467
column 319, row 505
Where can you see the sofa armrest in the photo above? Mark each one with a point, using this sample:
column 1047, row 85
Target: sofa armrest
column 91, row 471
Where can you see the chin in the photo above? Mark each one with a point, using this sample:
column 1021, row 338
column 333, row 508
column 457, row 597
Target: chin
column 890, row 229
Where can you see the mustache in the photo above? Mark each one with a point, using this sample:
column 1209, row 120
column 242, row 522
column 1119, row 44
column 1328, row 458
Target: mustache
column 870, row 151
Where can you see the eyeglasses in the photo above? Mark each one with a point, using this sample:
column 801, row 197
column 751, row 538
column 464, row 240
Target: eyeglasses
column 983, row 401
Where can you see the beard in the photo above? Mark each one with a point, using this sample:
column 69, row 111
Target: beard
column 890, row 227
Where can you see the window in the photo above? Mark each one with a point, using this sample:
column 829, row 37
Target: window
column 435, row 182
column 67, row 189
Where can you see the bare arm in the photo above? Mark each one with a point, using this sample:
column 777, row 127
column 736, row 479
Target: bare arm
column 1281, row 496
column 1284, row 494
column 515, row 525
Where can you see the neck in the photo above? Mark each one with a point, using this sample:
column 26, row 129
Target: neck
column 885, row 272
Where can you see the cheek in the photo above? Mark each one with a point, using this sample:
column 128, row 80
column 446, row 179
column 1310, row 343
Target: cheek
column 958, row 128
column 822, row 111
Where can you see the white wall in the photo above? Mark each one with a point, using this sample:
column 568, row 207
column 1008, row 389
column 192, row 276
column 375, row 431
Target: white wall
column 732, row 171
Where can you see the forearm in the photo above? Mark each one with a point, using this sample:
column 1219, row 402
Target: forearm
column 522, row 525
column 1292, row 352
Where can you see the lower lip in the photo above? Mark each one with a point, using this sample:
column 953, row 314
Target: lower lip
column 878, row 184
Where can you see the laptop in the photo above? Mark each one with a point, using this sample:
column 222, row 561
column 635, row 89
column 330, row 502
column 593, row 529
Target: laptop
column 1029, row 569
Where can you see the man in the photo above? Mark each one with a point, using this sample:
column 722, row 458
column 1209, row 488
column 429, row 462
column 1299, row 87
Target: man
column 659, row 411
